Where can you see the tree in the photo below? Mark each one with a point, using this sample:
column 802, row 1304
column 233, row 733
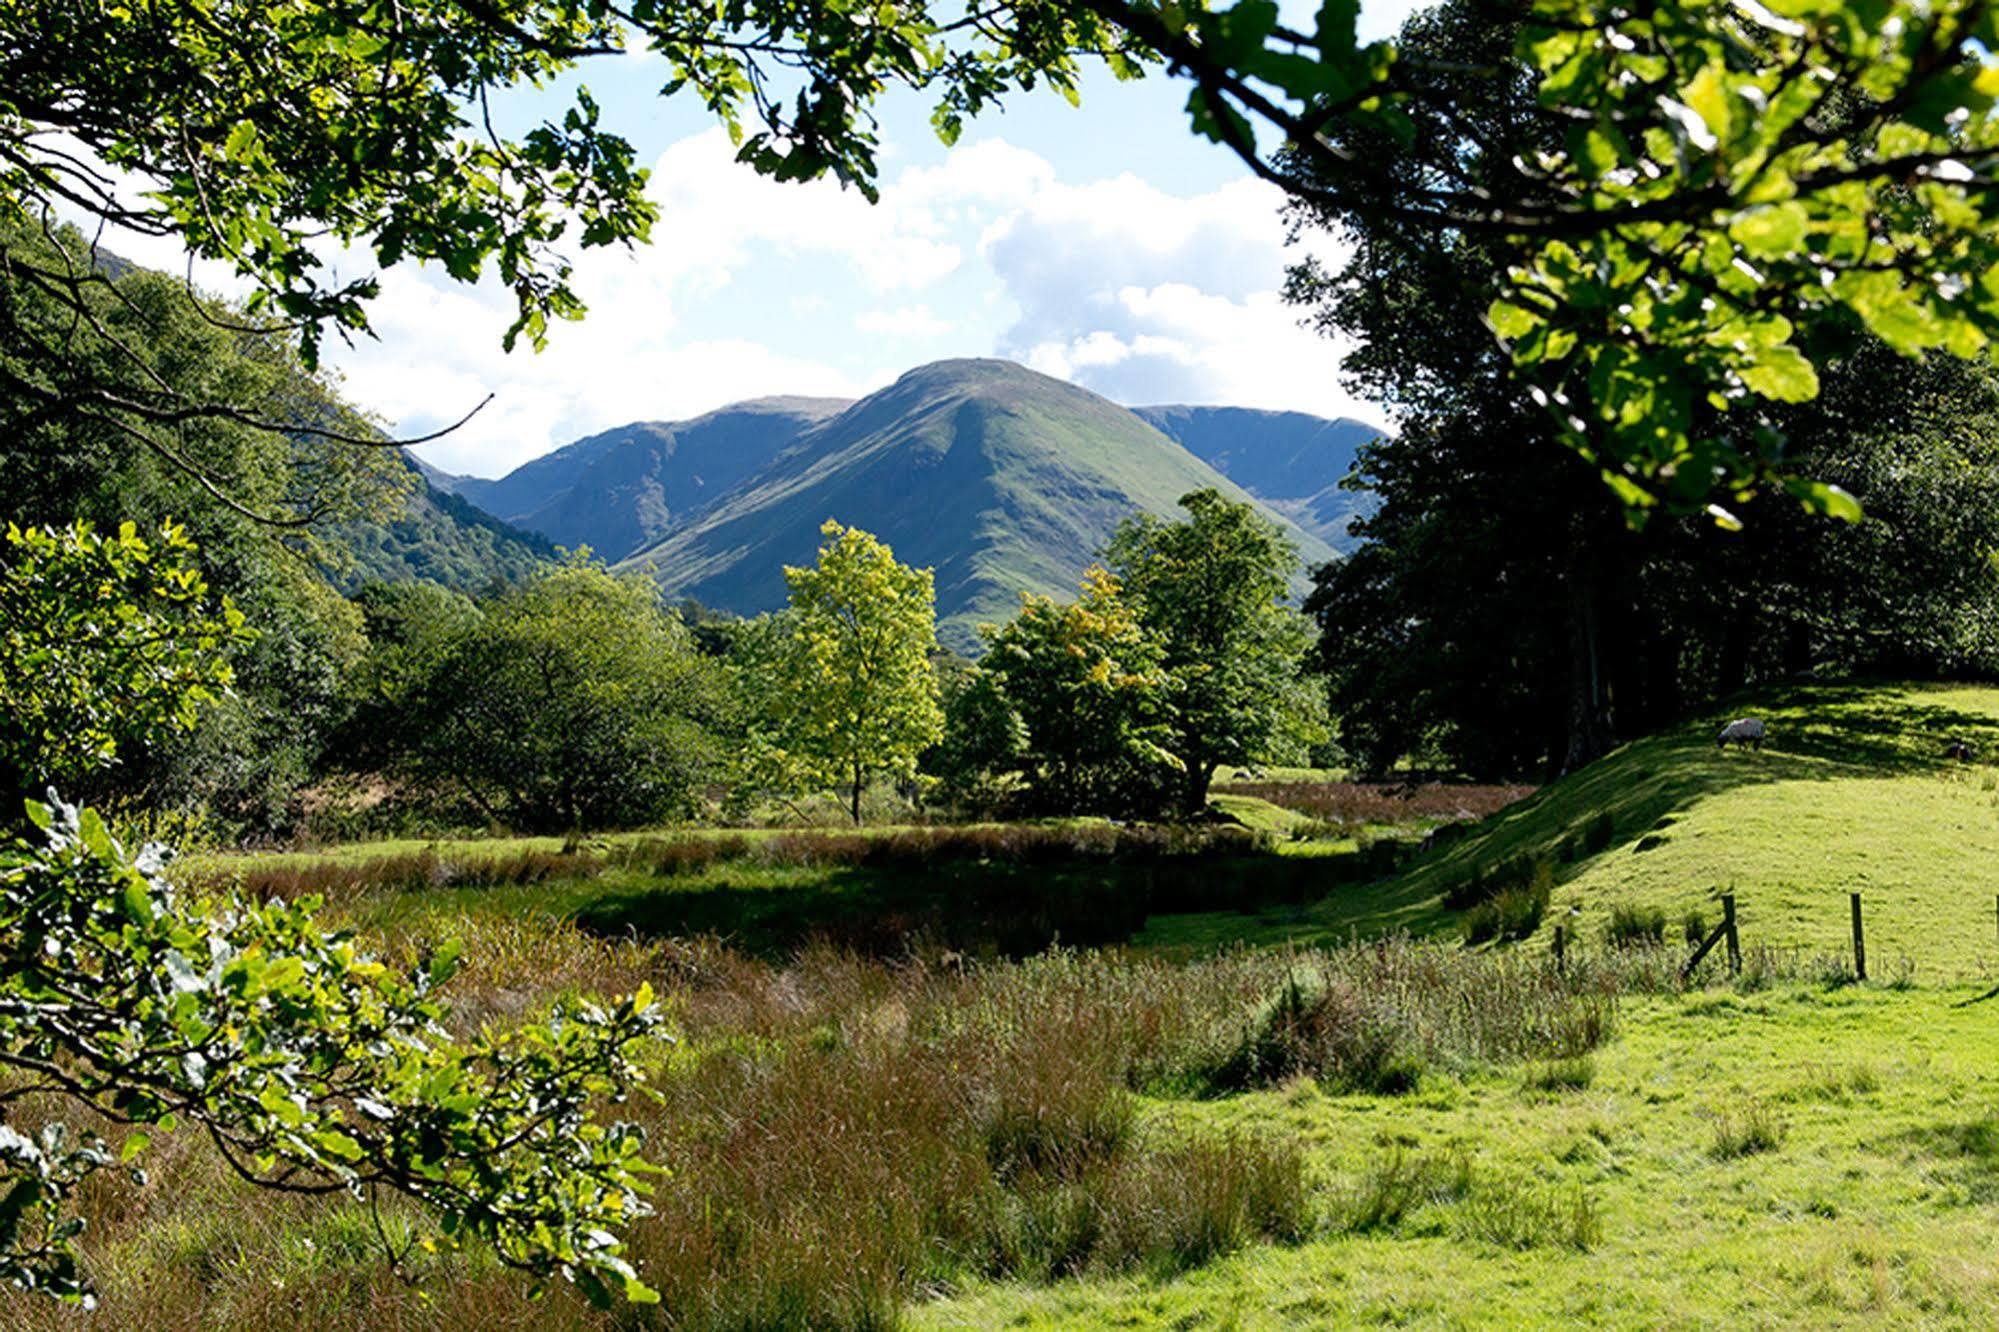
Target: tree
column 984, row 740
column 1502, row 617
column 106, row 642
column 1211, row 590
column 1085, row 685
column 311, row 1067
column 574, row 701
column 855, row 696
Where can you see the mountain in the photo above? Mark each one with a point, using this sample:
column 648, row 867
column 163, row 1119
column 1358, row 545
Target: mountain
column 437, row 536
column 1291, row 461
column 618, row 491
column 1001, row 479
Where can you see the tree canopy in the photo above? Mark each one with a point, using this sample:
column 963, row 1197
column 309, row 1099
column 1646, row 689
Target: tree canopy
column 573, row 701
column 853, row 695
column 1721, row 183
column 1501, row 618
column 105, row 642
column 1209, row 590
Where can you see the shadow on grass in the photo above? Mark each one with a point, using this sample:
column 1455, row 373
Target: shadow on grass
column 982, row 908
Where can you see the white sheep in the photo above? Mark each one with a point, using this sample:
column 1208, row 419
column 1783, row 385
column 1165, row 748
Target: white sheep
column 1741, row 731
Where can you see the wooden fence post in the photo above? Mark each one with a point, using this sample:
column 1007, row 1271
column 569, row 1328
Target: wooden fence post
column 1561, row 948
column 1859, row 943
column 1728, row 925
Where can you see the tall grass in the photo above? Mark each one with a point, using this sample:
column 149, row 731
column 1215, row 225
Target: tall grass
column 844, row 1135
column 910, row 848
column 1356, row 804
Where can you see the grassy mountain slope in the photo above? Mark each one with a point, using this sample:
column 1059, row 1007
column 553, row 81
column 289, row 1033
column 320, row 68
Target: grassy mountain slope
column 1850, row 793
column 616, row 492
column 1291, row 461
column 439, row 537
column 999, row 478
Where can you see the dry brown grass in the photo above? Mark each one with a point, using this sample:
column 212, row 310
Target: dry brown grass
column 1361, row 804
column 845, row 1135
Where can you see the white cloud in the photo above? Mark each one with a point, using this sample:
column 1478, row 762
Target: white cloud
column 1149, row 297
column 752, row 287
column 905, row 321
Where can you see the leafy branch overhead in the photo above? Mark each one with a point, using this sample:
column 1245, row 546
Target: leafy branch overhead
column 1733, row 182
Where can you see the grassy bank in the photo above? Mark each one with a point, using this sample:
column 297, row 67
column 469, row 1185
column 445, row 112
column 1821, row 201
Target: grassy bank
column 1796, row 1157
column 1851, row 793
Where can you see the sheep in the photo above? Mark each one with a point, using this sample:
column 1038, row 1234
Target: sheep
column 1741, row 731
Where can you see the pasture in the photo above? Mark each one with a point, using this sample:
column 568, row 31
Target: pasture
column 1259, row 1081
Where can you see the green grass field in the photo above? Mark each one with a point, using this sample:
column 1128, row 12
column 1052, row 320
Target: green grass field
column 1851, row 793
column 1875, row 1206
column 1760, row 1153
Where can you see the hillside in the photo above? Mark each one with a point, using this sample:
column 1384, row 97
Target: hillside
column 1850, row 793
column 618, row 491
column 1001, row 479
column 1291, row 461
column 439, row 537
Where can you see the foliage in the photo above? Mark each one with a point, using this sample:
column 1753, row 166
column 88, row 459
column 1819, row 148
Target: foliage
column 1729, row 184
column 410, row 630
column 854, row 695
column 1502, row 619
column 573, row 701
column 1209, row 591
column 311, row 1067
column 984, row 740
column 1085, row 682
column 185, row 107
column 106, row 642
column 274, row 514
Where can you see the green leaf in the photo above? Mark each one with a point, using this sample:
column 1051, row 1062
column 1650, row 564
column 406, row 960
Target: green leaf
column 1511, row 321
column 1773, row 231
column 1782, row 374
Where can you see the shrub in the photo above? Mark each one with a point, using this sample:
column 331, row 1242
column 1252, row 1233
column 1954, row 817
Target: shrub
column 1513, row 914
column 1693, row 928
column 1635, row 926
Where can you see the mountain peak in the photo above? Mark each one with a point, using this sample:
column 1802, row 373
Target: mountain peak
column 999, row 478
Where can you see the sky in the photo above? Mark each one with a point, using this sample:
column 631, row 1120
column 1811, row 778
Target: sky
column 1103, row 244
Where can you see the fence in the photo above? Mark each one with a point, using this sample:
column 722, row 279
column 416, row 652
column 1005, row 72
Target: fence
column 1728, row 933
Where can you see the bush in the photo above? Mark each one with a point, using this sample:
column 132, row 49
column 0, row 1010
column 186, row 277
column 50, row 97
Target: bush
column 1635, row 926
column 1693, row 928
column 1512, row 915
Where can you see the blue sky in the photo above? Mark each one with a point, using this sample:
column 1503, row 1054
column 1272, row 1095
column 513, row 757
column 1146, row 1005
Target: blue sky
column 1104, row 244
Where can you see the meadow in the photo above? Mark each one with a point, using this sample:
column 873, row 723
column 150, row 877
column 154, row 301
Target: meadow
column 1078, row 1075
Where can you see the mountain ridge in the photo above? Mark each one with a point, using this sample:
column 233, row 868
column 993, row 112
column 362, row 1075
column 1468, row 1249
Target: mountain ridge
column 999, row 478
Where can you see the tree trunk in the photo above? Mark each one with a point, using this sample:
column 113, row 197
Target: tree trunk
column 1588, row 722
column 1199, row 777
column 1797, row 647
column 1733, row 672
column 857, row 795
